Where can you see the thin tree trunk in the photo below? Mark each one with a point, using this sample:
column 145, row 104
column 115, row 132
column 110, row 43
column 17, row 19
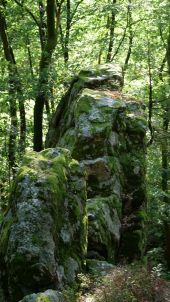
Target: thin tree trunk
column 15, row 92
column 165, row 162
column 22, row 139
column 168, row 54
column 120, row 43
column 165, row 157
column 27, row 43
column 150, row 97
column 165, row 143
column 111, row 34
column 13, row 128
column 67, row 37
column 42, row 25
column 42, row 89
column 130, row 39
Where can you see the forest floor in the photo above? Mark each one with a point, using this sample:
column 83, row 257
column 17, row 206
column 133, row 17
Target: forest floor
column 124, row 284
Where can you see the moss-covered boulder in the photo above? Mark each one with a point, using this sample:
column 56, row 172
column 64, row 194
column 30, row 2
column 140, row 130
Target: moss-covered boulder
column 105, row 131
column 99, row 267
column 107, row 76
column 47, row 296
column 43, row 236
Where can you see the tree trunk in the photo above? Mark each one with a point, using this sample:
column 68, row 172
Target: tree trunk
column 111, row 34
column 150, row 96
column 130, row 39
column 27, row 44
column 42, row 25
column 67, row 37
column 22, row 139
column 165, row 157
column 165, row 163
column 15, row 92
column 43, row 83
column 165, row 144
column 168, row 53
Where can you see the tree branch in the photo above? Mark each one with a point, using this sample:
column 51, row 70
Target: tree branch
column 121, row 41
column 74, row 11
column 28, row 11
column 131, row 36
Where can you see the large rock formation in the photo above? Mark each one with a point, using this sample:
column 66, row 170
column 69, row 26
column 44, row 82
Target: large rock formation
column 43, row 236
column 105, row 132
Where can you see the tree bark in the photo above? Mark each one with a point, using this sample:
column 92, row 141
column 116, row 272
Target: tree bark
column 42, row 25
column 165, row 142
column 67, row 36
column 43, row 83
column 165, row 157
column 27, row 44
column 111, row 34
column 130, row 39
column 165, row 162
column 150, row 96
column 168, row 53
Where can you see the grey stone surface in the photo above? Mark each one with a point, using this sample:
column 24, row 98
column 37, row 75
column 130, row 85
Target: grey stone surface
column 105, row 131
column 45, row 228
column 47, row 296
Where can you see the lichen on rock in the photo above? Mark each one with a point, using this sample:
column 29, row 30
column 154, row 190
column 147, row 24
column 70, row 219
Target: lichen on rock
column 105, row 131
column 45, row 225
column 47, row 296
column 104, row 228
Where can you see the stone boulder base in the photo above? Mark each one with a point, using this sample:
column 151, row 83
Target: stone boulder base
column 43, row 236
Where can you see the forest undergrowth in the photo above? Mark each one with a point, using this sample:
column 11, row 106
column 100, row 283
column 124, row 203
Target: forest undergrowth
column 129, row 283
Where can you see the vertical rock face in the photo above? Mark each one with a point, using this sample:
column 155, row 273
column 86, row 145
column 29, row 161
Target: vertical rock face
column 43, row 236
column 132, row 160
column 105, row 132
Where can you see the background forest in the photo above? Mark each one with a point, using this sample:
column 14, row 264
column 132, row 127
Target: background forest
column 43, row 44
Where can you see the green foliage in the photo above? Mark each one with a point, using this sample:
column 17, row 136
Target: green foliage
column 135, row 283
